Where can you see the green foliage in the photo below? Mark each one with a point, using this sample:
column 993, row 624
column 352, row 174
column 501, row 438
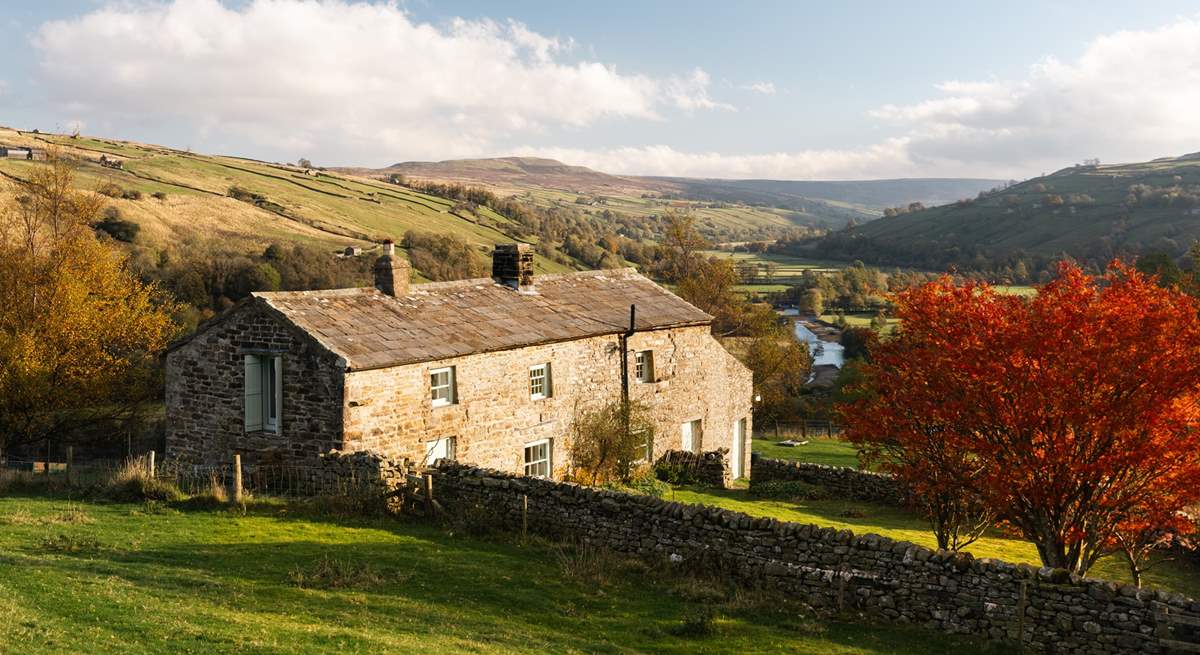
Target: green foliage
column 443, row 256
column 790, row 490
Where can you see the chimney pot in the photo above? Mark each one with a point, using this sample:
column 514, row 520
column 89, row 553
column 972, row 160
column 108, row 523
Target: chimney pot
column 392, row 272
column 512, row 265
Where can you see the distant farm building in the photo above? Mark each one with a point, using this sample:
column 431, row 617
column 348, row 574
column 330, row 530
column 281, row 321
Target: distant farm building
column 352, row 251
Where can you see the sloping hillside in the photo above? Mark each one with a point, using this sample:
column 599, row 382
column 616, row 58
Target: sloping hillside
column 550, row 183
column 1089, row 212
column 765, row 204
column 872, row 194
column 280, row 203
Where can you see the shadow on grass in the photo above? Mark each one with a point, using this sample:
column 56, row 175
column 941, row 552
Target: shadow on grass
column 450, row 592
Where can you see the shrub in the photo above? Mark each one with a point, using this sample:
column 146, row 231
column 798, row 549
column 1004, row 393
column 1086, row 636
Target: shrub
column 697, row 623
column 675, row 472
column 158, row 195
column 66, row 543
column 329, row 572
column 606, row 442
column 133, row 483
column 111, row 190
column 118, row 228
column 792, row 490
column 132, row 194
column 644, row 481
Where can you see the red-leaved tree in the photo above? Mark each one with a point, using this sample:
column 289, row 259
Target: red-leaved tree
column 1070, row 414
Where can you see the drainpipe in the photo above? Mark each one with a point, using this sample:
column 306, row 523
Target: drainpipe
column 625, row 368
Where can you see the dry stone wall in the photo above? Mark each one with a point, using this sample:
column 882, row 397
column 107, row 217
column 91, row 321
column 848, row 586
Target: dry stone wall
column 840, row 481
column 831, row 569
column 710, row 468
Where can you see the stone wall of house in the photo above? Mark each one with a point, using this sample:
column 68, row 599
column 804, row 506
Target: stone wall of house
column 840, row 481
column 205, row 392
column 831, row 569
column 707, row 468
column 389, row 411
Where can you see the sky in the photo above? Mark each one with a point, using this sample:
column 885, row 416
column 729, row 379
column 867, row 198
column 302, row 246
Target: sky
column 783, row 90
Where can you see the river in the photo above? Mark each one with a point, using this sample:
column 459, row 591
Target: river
column 823, row 352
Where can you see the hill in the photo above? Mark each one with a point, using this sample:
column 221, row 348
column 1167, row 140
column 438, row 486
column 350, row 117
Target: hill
column 872, row 194
column 273, row 203
column 1092, row 213
column 753, row 203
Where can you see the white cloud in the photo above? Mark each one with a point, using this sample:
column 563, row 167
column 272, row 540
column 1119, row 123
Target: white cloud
column 765, row 88
column 360, row 83
column 353, row 81
column 1130, row 96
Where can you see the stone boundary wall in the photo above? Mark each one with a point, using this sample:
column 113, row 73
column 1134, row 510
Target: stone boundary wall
column 707, row 468
column 841, row 481
column 837, row 570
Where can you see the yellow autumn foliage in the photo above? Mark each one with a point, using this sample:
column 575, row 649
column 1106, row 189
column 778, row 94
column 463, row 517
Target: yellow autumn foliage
column 80, row 334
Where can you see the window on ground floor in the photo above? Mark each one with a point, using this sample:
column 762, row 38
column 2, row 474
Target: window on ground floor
column 263, row 392
column 537, row 459
column 439, row 449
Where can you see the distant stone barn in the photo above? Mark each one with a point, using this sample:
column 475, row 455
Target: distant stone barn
column 487, row 371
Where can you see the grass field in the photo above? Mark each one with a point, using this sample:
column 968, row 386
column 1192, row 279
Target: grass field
column 136, row 578
column 832, row 452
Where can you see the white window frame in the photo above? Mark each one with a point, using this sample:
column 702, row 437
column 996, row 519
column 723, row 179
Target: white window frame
column 444, row 448
column 532, row 467
column 544, row 380
column 451, row 387
column 643, row 366
column 263, row 392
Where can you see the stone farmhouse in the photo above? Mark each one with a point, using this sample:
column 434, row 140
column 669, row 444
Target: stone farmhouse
column 486, row 371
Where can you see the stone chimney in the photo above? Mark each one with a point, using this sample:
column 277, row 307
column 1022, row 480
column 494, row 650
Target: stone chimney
column 512, row 265
column 391, row 272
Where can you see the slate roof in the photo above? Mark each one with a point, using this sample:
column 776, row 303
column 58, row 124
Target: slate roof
column 435, row 321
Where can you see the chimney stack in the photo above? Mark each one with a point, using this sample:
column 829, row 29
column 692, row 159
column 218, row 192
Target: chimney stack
column 512, row 265
column 391, row 272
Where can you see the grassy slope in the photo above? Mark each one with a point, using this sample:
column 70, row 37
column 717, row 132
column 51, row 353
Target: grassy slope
column 1031, row 227
column 171, row 582
column 329, row 210
column 1182, row 576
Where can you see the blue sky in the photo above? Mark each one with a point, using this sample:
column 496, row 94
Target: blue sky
column 765, row 89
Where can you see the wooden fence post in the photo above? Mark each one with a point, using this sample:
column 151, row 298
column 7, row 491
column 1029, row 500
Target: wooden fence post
column 70, row 465
column 150, row 464
column 429, row 511
column 237, row 478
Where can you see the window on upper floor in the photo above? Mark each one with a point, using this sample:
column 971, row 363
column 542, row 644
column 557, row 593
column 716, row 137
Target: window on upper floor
column 643, row 366
column 442, row 388
column 540, row 382
column 263, row 392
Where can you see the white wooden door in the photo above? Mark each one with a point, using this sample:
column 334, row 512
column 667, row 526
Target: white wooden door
column 691, row 436
column 739, row 443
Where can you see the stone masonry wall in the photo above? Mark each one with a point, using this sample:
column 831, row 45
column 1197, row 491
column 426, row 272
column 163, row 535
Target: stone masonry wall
column 205, row 393
column 840, row 481
column 831, row 569
column 710, row 468
column 388, row 411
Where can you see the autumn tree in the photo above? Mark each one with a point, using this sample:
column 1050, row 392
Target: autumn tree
column 1069, row 414
column 79, row 333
